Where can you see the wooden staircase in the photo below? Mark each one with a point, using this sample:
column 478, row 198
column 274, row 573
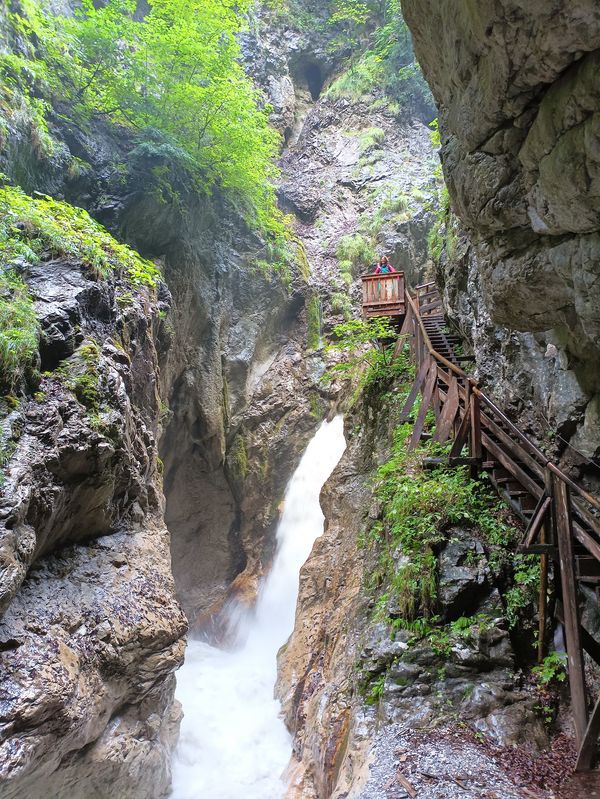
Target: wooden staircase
column 561, row 519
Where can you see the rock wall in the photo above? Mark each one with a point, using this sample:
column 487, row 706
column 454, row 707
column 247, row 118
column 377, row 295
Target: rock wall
column 518, row 104
column 92, row 631
column 349, row 684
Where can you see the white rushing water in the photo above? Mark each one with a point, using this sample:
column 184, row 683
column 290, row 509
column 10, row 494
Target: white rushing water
column 233, row 743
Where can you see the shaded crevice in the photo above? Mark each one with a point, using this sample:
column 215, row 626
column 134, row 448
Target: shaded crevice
column 314, row 79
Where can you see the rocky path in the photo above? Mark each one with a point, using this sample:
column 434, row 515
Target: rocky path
column 447, row 764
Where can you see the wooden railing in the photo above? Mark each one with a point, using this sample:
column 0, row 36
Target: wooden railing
column 561, row 518
column 383, row 295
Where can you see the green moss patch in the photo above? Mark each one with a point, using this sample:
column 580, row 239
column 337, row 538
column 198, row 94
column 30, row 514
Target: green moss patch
column 81, row 375
column 32, row 226
column 313, row 322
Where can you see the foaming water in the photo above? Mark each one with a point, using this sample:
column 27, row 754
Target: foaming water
column 233, row 743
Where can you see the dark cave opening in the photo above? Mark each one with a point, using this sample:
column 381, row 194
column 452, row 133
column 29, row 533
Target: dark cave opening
column 314, row 79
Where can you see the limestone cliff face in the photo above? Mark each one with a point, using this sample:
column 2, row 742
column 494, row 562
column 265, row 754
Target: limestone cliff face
column 92, row 631
column 518, row 101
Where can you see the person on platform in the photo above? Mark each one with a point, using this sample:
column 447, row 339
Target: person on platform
column 384, row 267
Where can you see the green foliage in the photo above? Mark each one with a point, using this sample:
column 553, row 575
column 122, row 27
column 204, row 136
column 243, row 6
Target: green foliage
column 32, row 226
column 176, row 71
column 313, row 322
column 442, row 235
column 301, row 257
column 19, row 329
column 358, row 81
column 354, row 250
column 417, row 506
column 376, row 689
column 238, row 458
column 24, row 78
column 553, row 669
column 370, row 138
column 522, row 595
column 341, row 304
column 435, row 135
column 387, row 63
column 80, row 374
column 394, row 208
column 368, row 347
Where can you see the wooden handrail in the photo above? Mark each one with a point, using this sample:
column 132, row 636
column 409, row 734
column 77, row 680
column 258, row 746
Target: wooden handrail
column 544, row 461
column 453, row 367
column 519, row 470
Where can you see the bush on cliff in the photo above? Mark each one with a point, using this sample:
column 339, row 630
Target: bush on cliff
column 176, row 70
column 30, row 226
column 19, row 330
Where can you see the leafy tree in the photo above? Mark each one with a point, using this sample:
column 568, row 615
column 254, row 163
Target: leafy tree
column 388, row 62
column 368, row 346
column 177, row 71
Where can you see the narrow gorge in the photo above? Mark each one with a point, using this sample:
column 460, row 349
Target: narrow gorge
column 238, row 557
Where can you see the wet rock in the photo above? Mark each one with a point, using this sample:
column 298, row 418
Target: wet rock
column 87, row 696
column 91, row 627
column 464, row 575
column 521, row 164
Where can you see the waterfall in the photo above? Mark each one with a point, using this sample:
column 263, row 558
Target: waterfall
column 234, row 744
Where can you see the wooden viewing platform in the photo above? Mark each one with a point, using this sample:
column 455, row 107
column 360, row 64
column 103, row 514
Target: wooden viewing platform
column 561, row 518
column 384, row 295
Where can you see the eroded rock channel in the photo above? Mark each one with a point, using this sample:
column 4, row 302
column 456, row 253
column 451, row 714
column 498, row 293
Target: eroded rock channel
column 172, row 389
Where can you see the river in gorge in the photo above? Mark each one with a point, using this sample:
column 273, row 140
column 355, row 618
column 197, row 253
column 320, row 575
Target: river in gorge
column 234, row 744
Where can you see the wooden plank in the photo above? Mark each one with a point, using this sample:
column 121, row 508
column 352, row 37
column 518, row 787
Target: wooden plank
column 416, row 387
column 505, row 460
column 430, row 306
column 444, row 375
column 585, row 539
column 542, row 549
column 573, row 485
column 586, row 515
column 435, row 397
column 400, row 345
column 570, row 607
column 448, row 414
column 405, row 329
column 589, row 643
column 544, row 573
column 589, row 745
column 425, row 402
column 537, row 453
column 476, row 450
column 537, row 520
column 520, row 454
column 460, row 438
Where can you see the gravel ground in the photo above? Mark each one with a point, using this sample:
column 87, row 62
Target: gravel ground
column 437, row 765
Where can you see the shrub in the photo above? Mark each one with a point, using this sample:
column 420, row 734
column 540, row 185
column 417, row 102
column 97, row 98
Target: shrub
column 356, row 250
column 418, row 505
column 32, row 226
column 341, row 304
column 81, row 374
column 19, row 330
column 370, row 138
